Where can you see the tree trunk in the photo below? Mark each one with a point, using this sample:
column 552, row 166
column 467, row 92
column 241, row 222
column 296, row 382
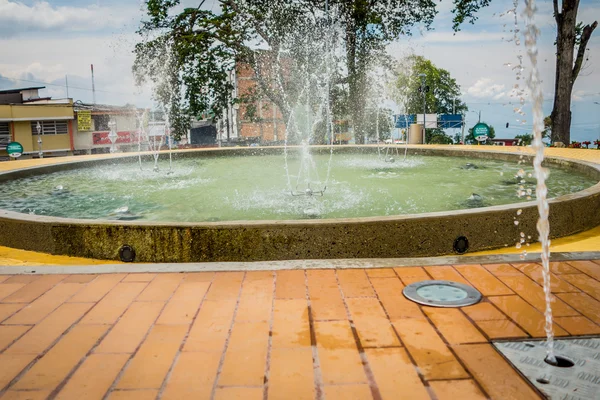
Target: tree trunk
column 563, row 85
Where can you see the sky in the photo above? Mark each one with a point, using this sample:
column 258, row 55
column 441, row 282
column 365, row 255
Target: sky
column 43, row 42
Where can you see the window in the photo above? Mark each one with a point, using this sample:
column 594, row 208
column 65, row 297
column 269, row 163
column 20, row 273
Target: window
column 50, row 127
column 4, row 135
column 101, row 122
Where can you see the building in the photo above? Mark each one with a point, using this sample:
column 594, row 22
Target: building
column 260, row 121
column 36, row 123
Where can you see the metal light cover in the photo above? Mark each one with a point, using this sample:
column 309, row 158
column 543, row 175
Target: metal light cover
column 442, row 294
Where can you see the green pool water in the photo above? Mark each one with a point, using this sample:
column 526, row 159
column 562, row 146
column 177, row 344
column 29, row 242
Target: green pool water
column 256, row 188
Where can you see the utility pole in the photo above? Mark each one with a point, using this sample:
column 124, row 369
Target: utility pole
column 67, row 85
column 93, row 84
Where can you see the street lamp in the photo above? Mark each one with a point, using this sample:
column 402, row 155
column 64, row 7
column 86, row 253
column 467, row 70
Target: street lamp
column 423, row 89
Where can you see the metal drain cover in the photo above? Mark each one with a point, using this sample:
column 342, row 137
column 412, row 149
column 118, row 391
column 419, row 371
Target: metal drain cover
column 442, row 294
column 579, row 382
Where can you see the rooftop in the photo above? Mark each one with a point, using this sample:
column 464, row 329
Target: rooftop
column 19, row 90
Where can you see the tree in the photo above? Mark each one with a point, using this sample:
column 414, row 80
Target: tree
column 570, row 36
column 443, row 96
column 470, row 138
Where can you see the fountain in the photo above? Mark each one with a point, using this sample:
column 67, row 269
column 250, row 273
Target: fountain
column 112, row 135
column 38, row 127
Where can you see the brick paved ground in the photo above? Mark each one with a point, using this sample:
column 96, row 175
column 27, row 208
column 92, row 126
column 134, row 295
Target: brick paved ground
column 333, row 334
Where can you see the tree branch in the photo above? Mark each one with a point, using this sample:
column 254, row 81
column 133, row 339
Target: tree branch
column 556, row 13
column 585, row 37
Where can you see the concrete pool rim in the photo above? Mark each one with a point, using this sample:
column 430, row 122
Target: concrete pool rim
column 409, row 235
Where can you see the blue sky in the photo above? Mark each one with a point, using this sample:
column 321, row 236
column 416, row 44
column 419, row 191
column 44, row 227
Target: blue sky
column 42, row 41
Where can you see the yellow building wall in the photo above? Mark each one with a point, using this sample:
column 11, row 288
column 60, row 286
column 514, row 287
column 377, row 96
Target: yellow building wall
column 52, row 142
column 33, row 112
column 22, row 134
column 5, row 111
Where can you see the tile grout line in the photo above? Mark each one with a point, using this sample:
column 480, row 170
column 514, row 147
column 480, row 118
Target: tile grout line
column 580, row 271
column 226, row 346
column 317, row 375
column 361, row 351
column 111, row 388
column 3, row 349
column 425, row 383
column 167, row 377
column 270, row 340
column 51, row 345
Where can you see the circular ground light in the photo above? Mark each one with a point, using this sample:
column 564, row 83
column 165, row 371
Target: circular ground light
column 442, row 294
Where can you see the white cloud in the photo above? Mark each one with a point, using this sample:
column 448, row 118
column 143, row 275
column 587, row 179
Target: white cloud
column 17, row 17
column 485, row 88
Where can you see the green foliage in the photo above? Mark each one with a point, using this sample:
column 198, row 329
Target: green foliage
column 443, row 95
column 437, row 136
column 470, row 138
column 379, row 124
column 525, row 139
column 465, row 10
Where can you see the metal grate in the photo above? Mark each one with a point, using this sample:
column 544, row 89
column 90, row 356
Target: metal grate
column 4, row 135
column 50, row 127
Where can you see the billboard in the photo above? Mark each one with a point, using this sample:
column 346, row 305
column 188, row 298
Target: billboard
column 84, row 121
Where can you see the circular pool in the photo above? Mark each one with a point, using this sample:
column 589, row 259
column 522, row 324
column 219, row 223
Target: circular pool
column 220, row 205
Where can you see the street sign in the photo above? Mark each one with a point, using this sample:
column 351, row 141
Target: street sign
column 14, row 149
column 481, row 132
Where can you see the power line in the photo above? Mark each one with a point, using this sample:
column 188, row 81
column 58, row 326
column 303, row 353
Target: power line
column 63, row 86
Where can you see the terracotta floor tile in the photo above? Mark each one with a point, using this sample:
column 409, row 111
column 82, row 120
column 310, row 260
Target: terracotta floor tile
column 6, row 310
column 12, row 365
column 291, row 372
column 464, row 389
column 453, row 325
column 381, row 273
column 373, row 326
column 338, row 355
column 33, row 290
column 563, row 268
column 225, row 285
column 150, row 365
column 26, row 395
column 256, row 300
column 525, row 315
column 10, row 333
column 141, row 277
column 483, row 280
column 587, row 267
column 394, row 374
column 110, row 308
column 198, row 276
column 325, row 296
column 42, row 335
column 183, row 306
column 534, row 295
column 428, row 350
column 80, row 278
column 55, row 365
column 354, row 283
column 493, row 373
column 211, row 327
column 246, row 356
column 6, row 289
column 389, row 291
column 97, row 289
column 239, row 394
column 102, row 368
column 133, row 395
column 291, row 285
column 585, row 283
column 503, row 270
column 410, row 275
column 535, row 272
column 446, row 273
column 501, row 329
column 129, row 331
column 583, row 303
column 345, row 392
column 4, row 277
column 578, row 325
column 290, row 324
column 45, row 304
column 483, row 312
column 161, row 288
column 193, row 376
column 22, row 278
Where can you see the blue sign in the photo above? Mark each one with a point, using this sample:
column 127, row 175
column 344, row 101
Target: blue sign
column 404, row 121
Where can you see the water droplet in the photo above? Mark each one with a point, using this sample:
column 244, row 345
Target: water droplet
column 518, row 245
column 501, row 173
column 519, row 212
column 522, row 256
column 522, row 234
column 521, row 240
column 528, row 236
column 516, row 222
column 528, row 197
column 529, row 191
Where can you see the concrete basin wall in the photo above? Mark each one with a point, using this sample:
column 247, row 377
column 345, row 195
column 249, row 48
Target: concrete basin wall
column 429, row 234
